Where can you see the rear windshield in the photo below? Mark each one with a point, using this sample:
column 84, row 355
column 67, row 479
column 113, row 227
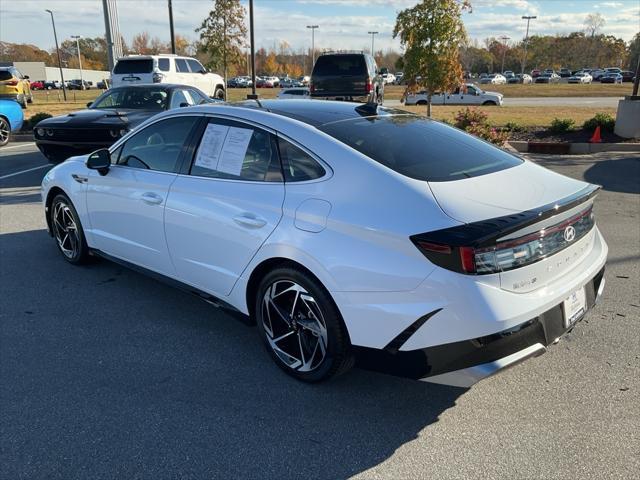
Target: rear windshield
column 5, row 75
column 340, row 65
column 139, row 65
column 420, row 148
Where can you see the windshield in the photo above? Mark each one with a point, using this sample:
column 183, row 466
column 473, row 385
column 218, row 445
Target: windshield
column 133, row 98
column 421, row 148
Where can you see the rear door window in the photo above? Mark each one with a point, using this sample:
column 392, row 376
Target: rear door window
column 340, row 65
column 163, row 64
column 138, row 65
column 421, row 148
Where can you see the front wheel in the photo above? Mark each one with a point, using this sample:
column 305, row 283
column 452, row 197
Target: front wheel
column 301, row 326
column 5, row 132
column 218, row 93
column 67, row 230
column 489, row 102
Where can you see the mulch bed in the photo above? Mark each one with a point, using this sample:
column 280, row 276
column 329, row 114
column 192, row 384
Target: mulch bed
column 577, row 136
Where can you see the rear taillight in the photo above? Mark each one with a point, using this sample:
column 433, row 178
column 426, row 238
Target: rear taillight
column 157, row 77
column 369, row 86
column 13, row 83
column 312, row 87
column 507, row 254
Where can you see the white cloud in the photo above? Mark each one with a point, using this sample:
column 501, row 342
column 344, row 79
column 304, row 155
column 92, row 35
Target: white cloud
column 608, row 5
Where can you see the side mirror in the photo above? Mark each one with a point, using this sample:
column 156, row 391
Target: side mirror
column 26, row 77
column 89, row 104
column 184, row 104
column 100, row 160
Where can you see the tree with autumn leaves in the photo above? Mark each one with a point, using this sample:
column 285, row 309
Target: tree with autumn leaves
column 431, row 34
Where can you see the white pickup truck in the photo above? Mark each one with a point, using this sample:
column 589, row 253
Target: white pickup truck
column 468, row 94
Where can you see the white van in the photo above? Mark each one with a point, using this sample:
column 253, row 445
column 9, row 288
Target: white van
column 166, row 68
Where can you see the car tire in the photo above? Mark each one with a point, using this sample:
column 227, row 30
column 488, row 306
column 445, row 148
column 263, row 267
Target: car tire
column 30, row 97
column 489, row 102
column 21, row 100
column 67, row 230
column 5, row 132
column 421, row 102
column 301, row 326
column 218, row 93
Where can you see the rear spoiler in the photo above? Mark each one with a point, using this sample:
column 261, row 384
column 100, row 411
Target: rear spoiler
column 485, row 233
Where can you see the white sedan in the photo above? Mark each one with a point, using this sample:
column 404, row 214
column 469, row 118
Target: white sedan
column 580, row 77
column 343, row 230
column 494, row 79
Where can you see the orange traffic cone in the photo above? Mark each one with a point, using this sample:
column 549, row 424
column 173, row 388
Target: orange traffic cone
column 596, row 136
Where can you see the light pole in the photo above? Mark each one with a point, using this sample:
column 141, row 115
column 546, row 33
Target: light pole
column 313, row 44
column 373, row 34
column 55, row 37
column 528, row 18
column 504, row 39
column 77, row 38
column 173, row 36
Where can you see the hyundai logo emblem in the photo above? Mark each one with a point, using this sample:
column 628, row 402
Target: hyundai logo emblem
column 569, row 234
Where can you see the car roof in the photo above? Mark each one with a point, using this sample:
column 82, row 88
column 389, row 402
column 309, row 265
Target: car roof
column 318, row 112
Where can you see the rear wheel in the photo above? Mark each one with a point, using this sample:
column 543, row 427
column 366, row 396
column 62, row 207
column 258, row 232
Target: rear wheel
column 421, row 102
column 30, row 97
column 67, row 230
column 219, row 93
column 301, row 326
column 5, row 132
column 22, row 100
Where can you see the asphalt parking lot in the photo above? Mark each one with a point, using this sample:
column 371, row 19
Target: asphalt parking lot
column 105, row 373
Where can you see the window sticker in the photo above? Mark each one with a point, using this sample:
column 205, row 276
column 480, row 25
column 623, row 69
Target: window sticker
column 211, row 146
column 234, row 150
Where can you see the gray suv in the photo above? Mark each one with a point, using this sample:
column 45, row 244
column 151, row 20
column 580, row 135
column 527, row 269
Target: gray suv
column 347, row 76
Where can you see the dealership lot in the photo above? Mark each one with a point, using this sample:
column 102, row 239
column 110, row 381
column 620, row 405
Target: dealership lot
column 106, row 373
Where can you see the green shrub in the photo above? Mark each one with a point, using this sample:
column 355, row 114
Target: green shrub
column 34, row 119
column 475, row 122
column 562, row 125
column 513, row 127
column 606, row 122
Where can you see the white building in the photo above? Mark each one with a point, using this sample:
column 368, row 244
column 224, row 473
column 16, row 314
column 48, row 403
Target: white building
column 38, row 71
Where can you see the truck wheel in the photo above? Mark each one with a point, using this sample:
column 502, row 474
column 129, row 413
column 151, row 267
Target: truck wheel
column 219, row 93
column 22, row 101
column 421, row 102
column 489, row 102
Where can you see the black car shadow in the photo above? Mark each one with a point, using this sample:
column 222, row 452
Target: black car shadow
column 108, row 373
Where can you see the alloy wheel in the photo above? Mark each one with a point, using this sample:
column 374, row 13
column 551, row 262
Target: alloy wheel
column 294, row 326
column 4, row 131
column 65, row 230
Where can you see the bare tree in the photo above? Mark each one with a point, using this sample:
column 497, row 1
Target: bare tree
column 593, row 23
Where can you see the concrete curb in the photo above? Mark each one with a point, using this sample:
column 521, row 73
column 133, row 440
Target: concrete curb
column 583, row 148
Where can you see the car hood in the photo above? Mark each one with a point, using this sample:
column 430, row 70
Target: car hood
column 517, row 189
column 95, row 117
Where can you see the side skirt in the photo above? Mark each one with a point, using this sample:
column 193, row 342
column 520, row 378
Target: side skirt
column 207, row 297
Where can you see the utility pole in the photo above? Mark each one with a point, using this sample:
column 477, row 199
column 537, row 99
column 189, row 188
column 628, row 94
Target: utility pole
column 112, row 32
column 77, row 39
column 373, row 34
column 253, row 55
column 173, row 36
column 504, row 39
column 528, row 18
column 55, row 36
column 313, row 46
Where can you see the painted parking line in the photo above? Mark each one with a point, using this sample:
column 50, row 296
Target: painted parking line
column 17, row 146
column 25, row 171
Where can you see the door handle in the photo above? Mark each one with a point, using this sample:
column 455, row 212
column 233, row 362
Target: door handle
column 151, row 198
column 249, row 220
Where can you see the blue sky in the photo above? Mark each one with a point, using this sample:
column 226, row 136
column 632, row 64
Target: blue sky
column 343, row 23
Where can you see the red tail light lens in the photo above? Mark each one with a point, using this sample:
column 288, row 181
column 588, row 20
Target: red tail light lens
column 312, row 87
column 368, row 87
column 13, row 83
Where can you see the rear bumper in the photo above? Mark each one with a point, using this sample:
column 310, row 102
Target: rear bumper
column 464, row 363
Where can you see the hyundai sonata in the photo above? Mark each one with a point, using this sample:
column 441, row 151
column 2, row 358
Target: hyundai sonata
column 345, row 231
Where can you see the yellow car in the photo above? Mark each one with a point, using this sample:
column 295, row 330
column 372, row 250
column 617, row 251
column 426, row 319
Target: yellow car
column 15, row 86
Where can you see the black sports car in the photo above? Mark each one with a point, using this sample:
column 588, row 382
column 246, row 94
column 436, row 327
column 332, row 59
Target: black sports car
column 109, row 117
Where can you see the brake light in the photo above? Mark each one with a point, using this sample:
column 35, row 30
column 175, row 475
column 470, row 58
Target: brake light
column 312, row 87
column 508, row 254
column 13, row 83
column 368, row 87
